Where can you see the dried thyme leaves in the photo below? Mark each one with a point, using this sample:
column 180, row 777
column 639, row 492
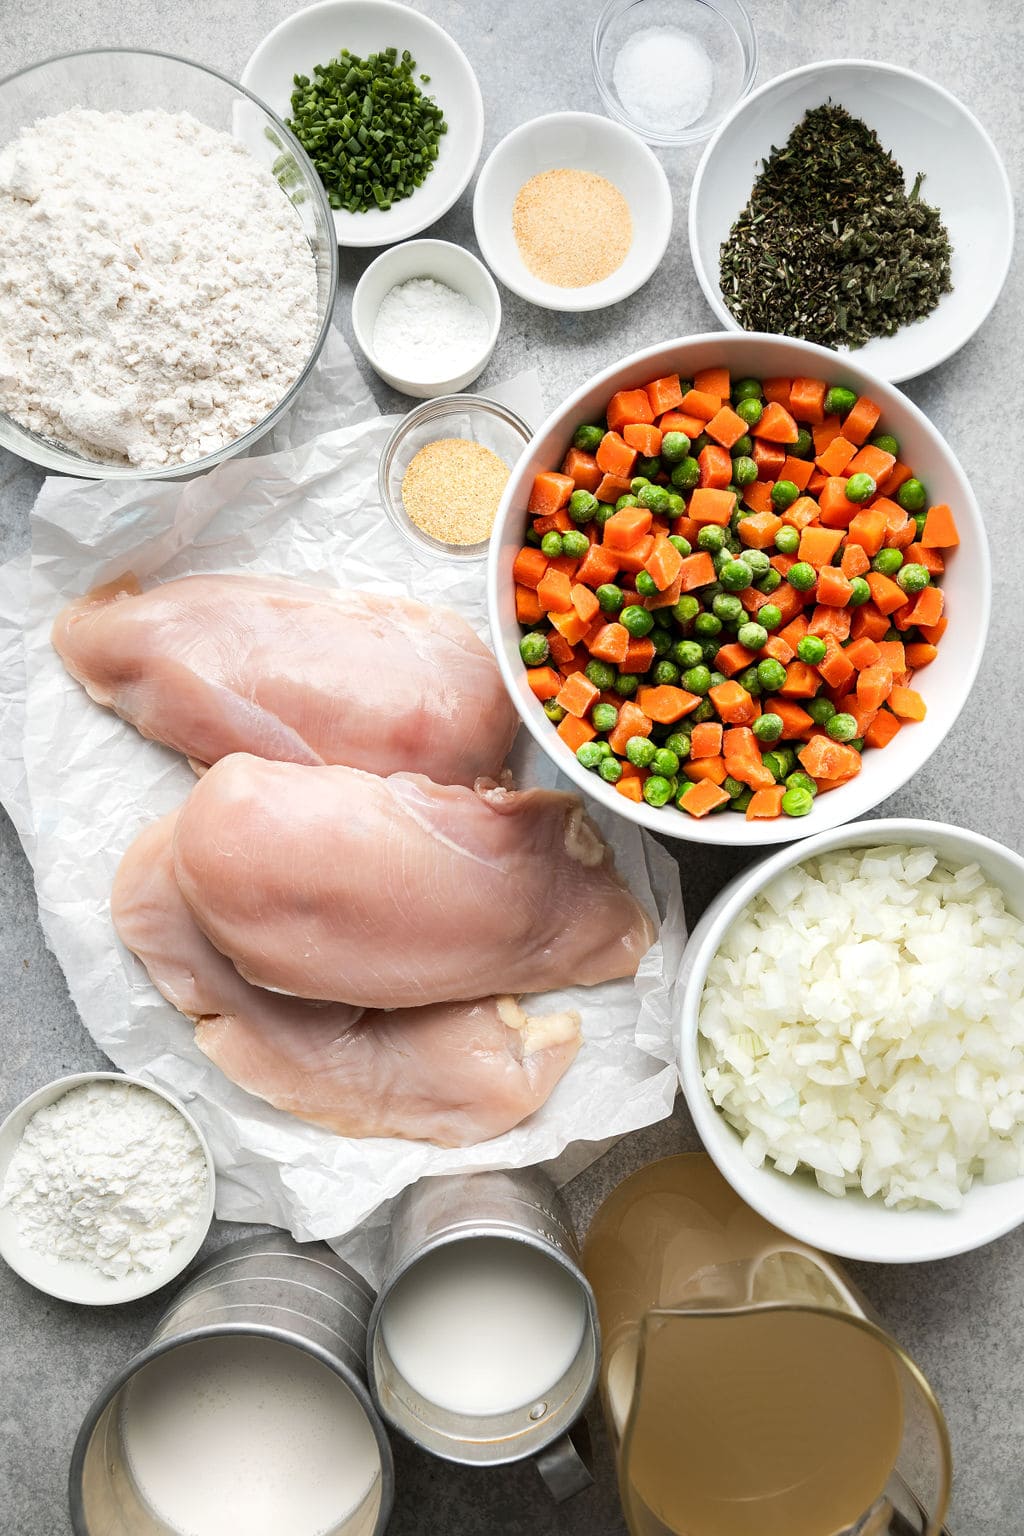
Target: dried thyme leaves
column 831, row 247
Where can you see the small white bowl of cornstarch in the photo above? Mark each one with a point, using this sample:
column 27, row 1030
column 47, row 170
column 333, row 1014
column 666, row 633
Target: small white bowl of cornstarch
column 106, row 1188
column 572, row 211
column 443, row 473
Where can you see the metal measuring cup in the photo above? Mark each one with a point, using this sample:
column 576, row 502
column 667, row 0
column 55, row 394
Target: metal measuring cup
column 519, row 1206
column 271, row 1287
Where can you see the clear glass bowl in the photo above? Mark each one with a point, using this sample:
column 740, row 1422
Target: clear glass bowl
column 722, row 28
column 467, row 416
column 133, row 80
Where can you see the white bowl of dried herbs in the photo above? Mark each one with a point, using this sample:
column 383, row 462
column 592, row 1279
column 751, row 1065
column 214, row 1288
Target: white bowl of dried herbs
column 856, row 205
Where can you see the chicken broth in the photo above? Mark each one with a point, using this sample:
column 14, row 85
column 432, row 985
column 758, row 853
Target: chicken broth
column 248, row 1434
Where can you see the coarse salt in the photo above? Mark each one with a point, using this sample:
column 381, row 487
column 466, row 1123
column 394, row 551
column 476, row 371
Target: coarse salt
column 664, row 79
column 427, row 332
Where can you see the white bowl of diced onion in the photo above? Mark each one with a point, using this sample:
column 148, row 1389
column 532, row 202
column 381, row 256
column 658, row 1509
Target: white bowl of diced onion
column 854, row 1225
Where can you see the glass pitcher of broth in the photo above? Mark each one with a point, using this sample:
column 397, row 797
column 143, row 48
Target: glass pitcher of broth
column 746, row 1390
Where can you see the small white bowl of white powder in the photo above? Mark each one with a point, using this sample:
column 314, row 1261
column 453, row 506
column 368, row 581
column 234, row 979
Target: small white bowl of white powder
column 106, row 1188
column 427, row 315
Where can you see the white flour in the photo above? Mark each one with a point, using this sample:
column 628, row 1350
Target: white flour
column 157, row 293
column 110, row 1175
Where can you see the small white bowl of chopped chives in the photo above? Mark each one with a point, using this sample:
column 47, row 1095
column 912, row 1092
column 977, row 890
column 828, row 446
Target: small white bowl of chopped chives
column 572, row 211
column 897, row 256
column 427, row 315
column 385, row 104
column 851, row 1041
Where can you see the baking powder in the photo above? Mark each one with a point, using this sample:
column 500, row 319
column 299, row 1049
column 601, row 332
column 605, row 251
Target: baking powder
column 110, row 1175
column 157, row 293
column 426, row 331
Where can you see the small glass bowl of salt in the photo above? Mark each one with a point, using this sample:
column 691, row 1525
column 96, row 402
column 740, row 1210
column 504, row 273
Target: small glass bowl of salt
column 672, row 70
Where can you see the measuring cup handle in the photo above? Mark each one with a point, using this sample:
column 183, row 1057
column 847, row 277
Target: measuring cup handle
column 565, row 1464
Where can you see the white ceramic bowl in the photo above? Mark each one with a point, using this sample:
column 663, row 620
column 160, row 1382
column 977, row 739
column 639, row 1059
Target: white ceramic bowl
column 926, row 129
column 76, row 1281
column 579, row 141
column 945, row 685
column 317, row 35
column 446, row 263
column 854, row 1227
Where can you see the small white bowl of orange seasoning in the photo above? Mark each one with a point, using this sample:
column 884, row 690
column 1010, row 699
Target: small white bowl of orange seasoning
column 559, row 209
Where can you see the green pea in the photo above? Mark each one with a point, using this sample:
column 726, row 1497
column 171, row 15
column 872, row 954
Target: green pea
column 811, row 649
column 732, row 786
column 770, row 581
column 603, row 717
column 700, row 443
column 787, row 757
column 675, row 446
column 920, row 519
column 787, row 540
column 887, row 561
column 773, row 761
column 686, row 475
column 610, row 770
column 802, row 576
column 747, row 389
column 686, row 610
column 657, row 790
column 711, row 538
column 534, row 650
column 626, row 685
column 640, row 750
column 749, row 410
column 665, row 762
column 582, row 506
column 913, row 578
column 769, row 616
column 740, row 802
column 661, row 640
column 784, row 493
column 801, row 780
column 707, row 626
column 742, row 448
column 533, row 538
column 679, row 743
column 705, row 711
column 587, row 438
column 554, row 712
column 860, row 487
column 605, row 511
column 711, row 591
column 600, row 674
column 648, row 467
column 710, row 648
column 682, row 545
column 860, row 592
column 804, row 445
column 771, row 674
column 653, row 497
column 575, row 544
column 839, row 401
column 589, row 754
column 820, row 710
column 717, row 679
column 697, row 680
column 676, row 504
column 551, row 545
column 610, row 596
column 842, row 727
column 912, row 495
column 797, row 802
column 736, row 576
column 887, row 443
column 727, row 608
column 768, row 728
column 629, row 500
column 744, row 471
column 646, row 584
column 636, row 620
column 857, row 743
column 664, row 673
column 687, row 653
column 637, row 483
column 753, row 635
column 749, row 680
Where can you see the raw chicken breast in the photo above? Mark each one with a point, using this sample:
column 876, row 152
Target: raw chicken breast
column 325, row 882
column 454, row 1074
column 216, row 664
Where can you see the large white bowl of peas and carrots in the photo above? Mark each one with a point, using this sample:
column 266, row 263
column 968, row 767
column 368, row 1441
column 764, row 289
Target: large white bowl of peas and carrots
column 696, row 489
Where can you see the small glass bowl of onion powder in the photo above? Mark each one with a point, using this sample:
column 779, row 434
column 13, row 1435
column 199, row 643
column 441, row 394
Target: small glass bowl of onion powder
column 444, row 469
column 672, row 70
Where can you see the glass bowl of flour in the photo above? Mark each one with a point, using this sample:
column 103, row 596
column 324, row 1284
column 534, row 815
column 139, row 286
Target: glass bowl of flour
column 106, row 1188
column 168, row 266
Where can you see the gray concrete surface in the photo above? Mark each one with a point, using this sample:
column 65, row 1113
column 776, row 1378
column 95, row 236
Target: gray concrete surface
column 962, row 1319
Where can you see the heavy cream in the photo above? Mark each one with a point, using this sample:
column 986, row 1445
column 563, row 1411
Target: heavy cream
column 247, row 1434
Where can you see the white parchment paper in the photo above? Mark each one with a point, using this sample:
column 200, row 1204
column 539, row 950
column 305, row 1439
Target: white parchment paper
column 80, row 783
